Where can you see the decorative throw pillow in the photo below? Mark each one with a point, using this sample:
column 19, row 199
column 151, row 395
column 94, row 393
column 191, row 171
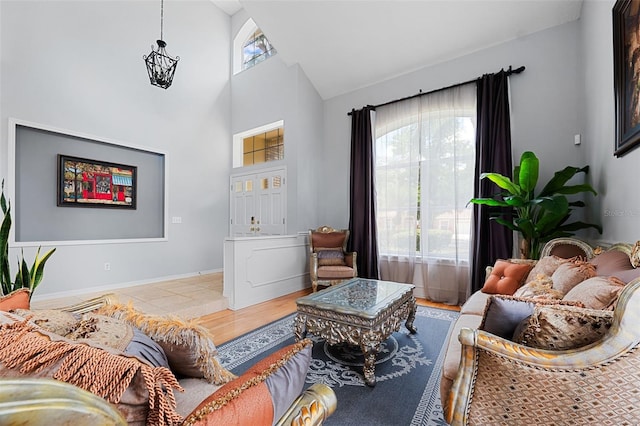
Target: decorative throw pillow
column 188, row 346
column 563, row 327
column 503, row 313
column 143, row 394
column 609, row 262
column 18, row 299
column 262, row 394
column 546, row 266
column 143, row 347
column 505, row 277
column 53, row 320
column 330, row 239
column 330, row 256
column 596, row 292
column 616, row 263
column 98, row 330
column 569, row 274
column 102, row 330
column 541, row 287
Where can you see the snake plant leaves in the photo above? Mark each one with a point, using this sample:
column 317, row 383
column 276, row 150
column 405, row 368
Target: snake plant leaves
column 25, row 277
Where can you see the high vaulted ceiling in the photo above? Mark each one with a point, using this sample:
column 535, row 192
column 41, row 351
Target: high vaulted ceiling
column 349, row 44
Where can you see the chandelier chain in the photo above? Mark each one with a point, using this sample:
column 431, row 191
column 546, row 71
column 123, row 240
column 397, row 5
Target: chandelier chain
column 161, row 18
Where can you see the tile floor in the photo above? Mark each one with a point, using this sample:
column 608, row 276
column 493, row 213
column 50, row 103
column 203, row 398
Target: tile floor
column 187, row 297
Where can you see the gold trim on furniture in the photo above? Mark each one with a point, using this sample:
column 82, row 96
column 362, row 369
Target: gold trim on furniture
column 31, row 401
column 312, row 407
column 92, row 304
column 551, row 244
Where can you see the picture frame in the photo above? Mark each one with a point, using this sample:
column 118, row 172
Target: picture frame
column 93, row 183
column 626, row 58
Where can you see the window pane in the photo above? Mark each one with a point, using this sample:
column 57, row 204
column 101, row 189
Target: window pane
column 449, row 153
column 273, row 136
column 424, row 170
column 256, row 49
column 259, row 141
column 247, row 144
column 259, row 157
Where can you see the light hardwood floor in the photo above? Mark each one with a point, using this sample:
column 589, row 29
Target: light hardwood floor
column 201, row 296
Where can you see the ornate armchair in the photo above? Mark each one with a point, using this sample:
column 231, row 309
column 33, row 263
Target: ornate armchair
column 329, row 261
column 501, row 382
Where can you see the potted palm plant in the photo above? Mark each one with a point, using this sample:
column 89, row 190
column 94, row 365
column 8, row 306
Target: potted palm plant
column 26, row 277
column 537, row 217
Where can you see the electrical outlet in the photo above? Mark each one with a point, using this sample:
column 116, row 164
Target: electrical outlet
column 176, row 219
column 107, row 266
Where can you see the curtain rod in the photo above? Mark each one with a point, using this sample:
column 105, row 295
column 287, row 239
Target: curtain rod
column 509, row 72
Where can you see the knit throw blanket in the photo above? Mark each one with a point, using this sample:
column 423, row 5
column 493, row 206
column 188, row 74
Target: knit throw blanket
column 93, row 369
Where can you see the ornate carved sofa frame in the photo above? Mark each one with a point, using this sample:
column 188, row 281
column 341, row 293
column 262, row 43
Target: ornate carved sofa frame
column 501, row 382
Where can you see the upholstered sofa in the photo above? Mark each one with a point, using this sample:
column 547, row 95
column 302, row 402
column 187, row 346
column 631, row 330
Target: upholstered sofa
column 511, row 360
column 155, row 370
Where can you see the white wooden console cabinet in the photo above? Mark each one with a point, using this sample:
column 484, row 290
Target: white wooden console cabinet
column 257, row 269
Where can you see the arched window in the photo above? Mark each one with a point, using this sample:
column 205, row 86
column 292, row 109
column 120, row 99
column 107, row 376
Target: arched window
column 250, row 47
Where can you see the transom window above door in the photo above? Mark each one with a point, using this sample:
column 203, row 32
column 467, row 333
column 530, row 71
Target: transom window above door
column 264, row 144
column 263, row 147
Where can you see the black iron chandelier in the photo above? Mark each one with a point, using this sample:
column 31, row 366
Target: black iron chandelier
column 160, row 66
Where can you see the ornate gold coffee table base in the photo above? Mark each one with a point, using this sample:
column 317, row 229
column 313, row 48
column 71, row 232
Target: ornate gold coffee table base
column 359, row 312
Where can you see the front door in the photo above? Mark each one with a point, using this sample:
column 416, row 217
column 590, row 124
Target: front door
column 258, row 203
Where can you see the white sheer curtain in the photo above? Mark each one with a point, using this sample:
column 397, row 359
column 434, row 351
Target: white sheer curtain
column 425, row 157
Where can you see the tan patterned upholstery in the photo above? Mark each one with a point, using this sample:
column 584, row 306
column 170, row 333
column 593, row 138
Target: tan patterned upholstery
column 504, row 383
column 329, row 261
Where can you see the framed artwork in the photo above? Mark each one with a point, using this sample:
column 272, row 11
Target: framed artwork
column 626, row 67
column 92, row 183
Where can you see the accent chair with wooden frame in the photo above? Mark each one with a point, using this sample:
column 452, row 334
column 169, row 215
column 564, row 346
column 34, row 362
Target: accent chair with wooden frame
column 329, row 261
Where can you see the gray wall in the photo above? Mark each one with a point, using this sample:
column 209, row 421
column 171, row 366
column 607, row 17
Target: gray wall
column 545, row 103
column 273, row 91
column 617, row 206
column 37, row 186
column 78, row 66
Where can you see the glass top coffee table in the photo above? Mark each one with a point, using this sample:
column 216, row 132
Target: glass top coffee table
column 360, row 312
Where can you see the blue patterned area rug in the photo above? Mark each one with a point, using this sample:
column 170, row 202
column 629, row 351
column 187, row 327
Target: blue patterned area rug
column 407, row 390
